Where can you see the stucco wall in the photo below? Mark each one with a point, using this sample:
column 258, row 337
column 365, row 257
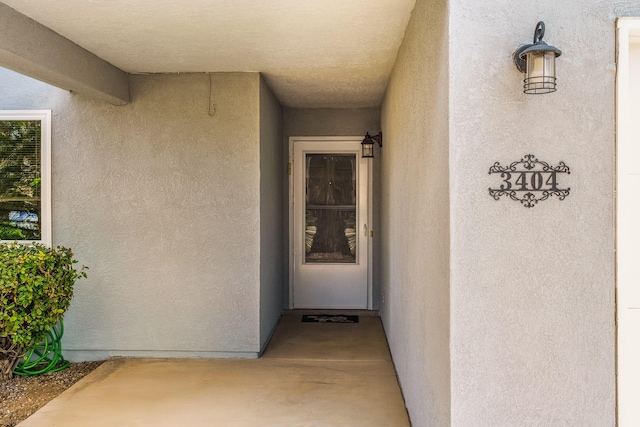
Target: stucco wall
column 415, row 215
column 272, row 203
column 44, row 54
column 532, row 290
column 330, row 121
column 161, row 198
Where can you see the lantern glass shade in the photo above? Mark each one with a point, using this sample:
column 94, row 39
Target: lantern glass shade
column 367, row 147
column 540, row 75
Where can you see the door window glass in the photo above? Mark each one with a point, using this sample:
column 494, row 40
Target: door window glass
column 330, row 223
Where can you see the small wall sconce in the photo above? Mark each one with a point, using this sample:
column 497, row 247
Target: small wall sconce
column 538, row 62
column 367, row 144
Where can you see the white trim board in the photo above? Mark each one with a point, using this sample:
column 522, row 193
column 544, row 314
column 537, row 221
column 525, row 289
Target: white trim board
column 628, row 220
column 45, row 168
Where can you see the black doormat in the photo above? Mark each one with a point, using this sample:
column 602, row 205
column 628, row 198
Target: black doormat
column 330, row 318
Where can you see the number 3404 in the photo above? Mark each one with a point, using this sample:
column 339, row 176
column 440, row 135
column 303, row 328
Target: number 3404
column 529, row 181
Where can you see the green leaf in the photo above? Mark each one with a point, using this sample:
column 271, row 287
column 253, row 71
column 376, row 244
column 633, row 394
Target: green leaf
column 36, row 287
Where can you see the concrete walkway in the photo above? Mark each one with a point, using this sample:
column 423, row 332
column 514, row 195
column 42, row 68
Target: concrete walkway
column 311, row 375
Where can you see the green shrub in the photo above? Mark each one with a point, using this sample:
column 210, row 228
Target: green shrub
column 36, row 287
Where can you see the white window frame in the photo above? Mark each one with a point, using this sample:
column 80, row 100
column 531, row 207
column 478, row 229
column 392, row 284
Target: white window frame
column 45, row 168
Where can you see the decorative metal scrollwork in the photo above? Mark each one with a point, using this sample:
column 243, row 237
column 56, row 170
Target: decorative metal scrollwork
column 535, row 181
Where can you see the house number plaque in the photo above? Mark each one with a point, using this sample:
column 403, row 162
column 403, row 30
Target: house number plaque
column 529, row 181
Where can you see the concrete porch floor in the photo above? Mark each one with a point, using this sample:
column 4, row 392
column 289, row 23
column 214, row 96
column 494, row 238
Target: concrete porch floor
column 312, row 374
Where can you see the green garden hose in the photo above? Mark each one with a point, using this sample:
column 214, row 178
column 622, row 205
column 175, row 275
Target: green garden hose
column 46, row 356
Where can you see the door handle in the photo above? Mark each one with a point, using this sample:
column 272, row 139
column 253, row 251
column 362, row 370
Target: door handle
column 366, row 230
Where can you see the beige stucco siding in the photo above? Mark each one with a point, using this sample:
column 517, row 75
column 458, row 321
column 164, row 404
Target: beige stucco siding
column 415, row 215
column 496, row 314
column 34, row 50
column 532, row 289
column 161, row 198
column 272, row 207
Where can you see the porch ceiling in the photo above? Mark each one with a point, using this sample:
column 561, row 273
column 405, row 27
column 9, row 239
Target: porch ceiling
column 329, row 53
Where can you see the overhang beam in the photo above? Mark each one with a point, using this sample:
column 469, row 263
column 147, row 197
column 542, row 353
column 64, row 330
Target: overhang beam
column 34, row 50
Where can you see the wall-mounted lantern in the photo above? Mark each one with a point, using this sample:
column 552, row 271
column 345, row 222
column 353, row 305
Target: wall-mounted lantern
column 368, row 142
column 538, row 63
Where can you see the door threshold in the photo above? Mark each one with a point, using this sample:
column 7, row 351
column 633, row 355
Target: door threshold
column 317, row 311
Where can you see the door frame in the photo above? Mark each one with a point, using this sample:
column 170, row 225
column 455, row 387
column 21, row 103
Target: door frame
column 627, row 297
column 369, row 219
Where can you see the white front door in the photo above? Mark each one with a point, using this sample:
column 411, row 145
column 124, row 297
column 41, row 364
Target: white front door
column 330, row 224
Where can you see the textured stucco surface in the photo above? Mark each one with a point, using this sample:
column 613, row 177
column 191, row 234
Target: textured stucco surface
column 35, row 50
column 162, row 201
column 272, row 225
column 332, row 53
column 532, row 290
column 330, row 121
column 496, row 314
column 415, row 216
